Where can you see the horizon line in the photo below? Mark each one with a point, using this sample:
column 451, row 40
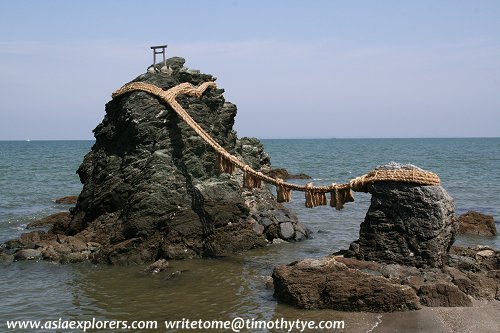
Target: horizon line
column 298, row 138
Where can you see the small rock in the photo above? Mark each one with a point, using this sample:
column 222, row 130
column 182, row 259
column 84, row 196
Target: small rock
column 158, row 266
column 57, row 218
column 258, row 228
column 475, row 223
column 28, row 254
column 175, row 63
column 174, row 275
column 286, row 230
column 6, row 258
column 485, row 254
column 269, row 282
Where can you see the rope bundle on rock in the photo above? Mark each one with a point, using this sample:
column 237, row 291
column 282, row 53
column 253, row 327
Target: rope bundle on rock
column 315, row 195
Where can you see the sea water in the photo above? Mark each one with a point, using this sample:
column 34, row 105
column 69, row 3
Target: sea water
column 34, row 173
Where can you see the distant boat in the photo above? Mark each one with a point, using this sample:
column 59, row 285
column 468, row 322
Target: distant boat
column 28, row 140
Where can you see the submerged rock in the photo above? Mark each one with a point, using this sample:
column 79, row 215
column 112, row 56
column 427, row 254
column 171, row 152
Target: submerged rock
column 407, row 224
column 158, row 266
column 475, row 223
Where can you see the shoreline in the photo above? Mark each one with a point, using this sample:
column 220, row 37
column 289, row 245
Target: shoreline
column 481, row 317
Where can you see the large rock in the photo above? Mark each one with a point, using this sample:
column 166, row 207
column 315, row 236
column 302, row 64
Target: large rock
column 407, row 224
column 349, row 284
column 150, row 187
column 329, row 284
column 475, row 223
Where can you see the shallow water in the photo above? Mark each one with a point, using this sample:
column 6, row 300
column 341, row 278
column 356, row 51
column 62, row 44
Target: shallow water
column 34, row 173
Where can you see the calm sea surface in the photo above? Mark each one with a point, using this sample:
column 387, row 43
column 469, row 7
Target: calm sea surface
column 34, row 173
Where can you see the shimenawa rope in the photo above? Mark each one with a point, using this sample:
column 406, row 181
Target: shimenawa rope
column 226, row 162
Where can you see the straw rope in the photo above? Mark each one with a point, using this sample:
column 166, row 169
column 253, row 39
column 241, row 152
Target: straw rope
column 226, row 162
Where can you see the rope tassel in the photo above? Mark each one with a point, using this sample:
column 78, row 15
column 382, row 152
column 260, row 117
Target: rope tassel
column 349, row 197
column 314, row 198
column 333, row 198
column 224, row 164
column 283, row 194
column 340, row 196
column 250, row 181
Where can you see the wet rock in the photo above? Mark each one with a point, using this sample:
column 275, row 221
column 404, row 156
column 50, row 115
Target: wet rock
column 175, row 275
column 475, row 223
column 27, row 254
column 328, row 284
column 61, row 218
column 6, row 257
column 67, row 200
column 407, row 224
column 158, row 266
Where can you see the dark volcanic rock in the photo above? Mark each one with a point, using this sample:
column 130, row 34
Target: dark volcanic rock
column 475, row 223
column 407, row 224
column 151, row 190
column 329, row 284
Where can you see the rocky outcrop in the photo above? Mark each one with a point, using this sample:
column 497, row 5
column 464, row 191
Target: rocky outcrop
column 407, row 224
column 50, row 246
column 475, row 223
column 151, row 190
column 349, row 284
column 401, row 261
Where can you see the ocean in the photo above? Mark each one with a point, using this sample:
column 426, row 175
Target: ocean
column 34, row 173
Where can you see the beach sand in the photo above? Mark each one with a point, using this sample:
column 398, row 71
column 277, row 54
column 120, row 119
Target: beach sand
column 483, row 317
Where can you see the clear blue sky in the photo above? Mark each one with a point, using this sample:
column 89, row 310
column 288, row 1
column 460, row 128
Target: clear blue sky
column 293, row 68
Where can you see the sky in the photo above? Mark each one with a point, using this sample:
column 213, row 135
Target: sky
column 295, row 69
